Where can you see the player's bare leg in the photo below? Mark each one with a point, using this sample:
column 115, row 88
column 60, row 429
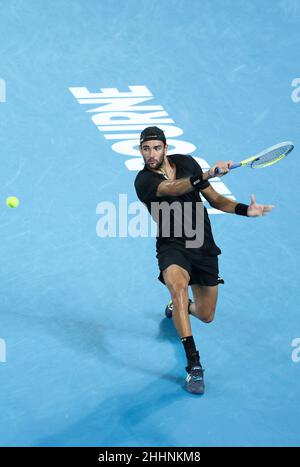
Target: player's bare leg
column 205, row 300
column 177, row 280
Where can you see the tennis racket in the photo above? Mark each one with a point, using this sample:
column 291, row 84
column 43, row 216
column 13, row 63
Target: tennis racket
column 265, row 158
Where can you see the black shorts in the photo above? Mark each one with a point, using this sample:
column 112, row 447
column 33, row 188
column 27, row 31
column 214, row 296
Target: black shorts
column 203, row 269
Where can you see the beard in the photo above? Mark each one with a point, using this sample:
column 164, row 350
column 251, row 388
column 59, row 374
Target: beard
column 155, row 164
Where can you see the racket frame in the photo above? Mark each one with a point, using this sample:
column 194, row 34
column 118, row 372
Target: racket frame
column 249, row 161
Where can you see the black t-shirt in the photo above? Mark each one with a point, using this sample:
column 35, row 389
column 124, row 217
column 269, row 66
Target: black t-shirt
column 146, row 184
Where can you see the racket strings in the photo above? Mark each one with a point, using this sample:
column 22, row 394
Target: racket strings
column 271, row 156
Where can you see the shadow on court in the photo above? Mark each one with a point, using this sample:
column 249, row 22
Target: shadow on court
column 127, row 419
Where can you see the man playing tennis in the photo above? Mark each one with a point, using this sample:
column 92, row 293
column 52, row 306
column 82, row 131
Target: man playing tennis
column 163, row 180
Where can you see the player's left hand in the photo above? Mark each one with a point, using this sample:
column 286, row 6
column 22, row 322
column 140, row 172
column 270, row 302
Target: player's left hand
column 255, row 210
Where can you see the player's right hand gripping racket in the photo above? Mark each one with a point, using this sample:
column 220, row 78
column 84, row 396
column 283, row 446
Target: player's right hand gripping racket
column 265, row 158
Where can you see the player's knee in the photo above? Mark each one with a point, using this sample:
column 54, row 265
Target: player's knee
column 208, row 319
column 177, row 285
column 206, row 315
column 210, row 316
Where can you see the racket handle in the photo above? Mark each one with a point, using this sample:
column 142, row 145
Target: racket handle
column 233, row 166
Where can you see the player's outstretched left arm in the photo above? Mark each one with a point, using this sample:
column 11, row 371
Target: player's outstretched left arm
column 224, row 204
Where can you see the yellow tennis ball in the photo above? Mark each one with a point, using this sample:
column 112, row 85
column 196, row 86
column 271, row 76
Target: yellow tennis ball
column 12, row 202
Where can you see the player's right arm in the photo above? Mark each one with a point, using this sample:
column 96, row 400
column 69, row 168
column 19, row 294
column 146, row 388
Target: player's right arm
column 175, row 187
column 184, row 185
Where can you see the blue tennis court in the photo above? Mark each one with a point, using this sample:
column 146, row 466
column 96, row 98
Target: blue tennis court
column 87, row 357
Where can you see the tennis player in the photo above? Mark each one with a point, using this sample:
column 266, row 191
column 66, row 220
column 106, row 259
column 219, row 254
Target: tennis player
column 163, row 180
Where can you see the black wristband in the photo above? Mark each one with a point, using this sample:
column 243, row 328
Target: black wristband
column 241, row 209
column 196, row 180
